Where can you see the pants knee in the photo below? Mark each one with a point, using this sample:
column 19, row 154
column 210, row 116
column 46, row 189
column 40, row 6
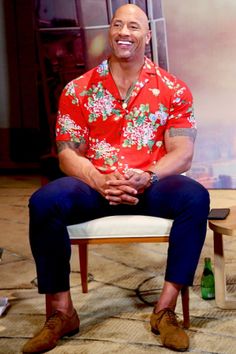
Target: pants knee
column 39, row 205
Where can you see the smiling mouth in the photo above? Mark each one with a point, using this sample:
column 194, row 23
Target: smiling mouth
column 124, row 42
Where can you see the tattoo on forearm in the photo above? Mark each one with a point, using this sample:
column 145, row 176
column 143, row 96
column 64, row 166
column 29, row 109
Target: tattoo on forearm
column 190, row 132
column 61, row 145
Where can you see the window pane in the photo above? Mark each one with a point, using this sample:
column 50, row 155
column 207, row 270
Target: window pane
column 142, row 4
column 94, row 12
column 56, row 13
column 162, row 44
column 157, row 9
column 61, row 57
column 117, row 3
column 97, row 46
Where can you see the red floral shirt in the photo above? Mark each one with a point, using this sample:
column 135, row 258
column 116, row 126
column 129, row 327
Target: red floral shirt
column 121, row 135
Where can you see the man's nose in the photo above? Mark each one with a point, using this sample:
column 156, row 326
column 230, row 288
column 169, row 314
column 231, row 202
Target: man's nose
column 124, row 30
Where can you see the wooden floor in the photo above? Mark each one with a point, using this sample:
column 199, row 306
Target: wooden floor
column 124, row 281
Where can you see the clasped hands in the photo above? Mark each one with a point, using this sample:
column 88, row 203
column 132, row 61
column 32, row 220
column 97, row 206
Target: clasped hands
column 124, row 188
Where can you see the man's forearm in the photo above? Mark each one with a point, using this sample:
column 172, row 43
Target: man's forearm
column 80, row 167
column 175, row 162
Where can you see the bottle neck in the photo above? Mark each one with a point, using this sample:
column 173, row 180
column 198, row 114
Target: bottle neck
column 208, row 263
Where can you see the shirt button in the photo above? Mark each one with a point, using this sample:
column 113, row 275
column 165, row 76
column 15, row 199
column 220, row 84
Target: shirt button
column 124, row 105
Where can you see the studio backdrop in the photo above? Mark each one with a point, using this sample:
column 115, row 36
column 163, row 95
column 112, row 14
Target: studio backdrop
column 195, row 40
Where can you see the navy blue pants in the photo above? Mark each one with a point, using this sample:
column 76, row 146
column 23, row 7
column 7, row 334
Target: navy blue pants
column 67, row 201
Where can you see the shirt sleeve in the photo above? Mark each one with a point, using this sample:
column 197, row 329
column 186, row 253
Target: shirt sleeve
column 71, row 124
column 181, row 113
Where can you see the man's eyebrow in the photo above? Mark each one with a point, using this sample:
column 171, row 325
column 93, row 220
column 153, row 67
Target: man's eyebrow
column 134, row 23
column 129, row 22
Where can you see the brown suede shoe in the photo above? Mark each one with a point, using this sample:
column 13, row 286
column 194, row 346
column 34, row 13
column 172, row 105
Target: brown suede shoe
column 55, row 327
column 172, row 336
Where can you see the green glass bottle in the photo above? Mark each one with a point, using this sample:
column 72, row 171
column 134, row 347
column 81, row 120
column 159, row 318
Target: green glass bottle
column 207, row 281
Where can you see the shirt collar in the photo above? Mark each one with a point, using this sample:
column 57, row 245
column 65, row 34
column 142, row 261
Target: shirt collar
column 102, row 74
column 102, row 70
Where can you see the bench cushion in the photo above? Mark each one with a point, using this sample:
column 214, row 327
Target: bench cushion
column 121, row 226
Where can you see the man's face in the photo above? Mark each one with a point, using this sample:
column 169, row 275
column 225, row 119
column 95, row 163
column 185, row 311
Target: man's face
column 129, row 33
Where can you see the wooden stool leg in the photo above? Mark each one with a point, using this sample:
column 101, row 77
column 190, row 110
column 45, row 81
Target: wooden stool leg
column 220, row 277
column 83, row 260
column 185, row 306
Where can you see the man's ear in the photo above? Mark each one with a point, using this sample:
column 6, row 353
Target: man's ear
column 148, row 37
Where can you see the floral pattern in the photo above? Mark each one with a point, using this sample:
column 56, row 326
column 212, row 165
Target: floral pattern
column 65, row 125
column 100, row 103
column 140, row 128
column 104, row 150
column 120, row 135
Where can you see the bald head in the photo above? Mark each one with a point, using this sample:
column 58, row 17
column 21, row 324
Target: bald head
column 133, row 11
column 129, row 33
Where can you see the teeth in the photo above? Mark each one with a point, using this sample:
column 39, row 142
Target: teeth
column 124, row 42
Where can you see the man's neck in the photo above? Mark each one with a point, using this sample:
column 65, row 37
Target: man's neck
column 125, row 69
column 125, row 73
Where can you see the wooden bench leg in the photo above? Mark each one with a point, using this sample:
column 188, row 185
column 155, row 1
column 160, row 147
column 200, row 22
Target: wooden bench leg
column 83, row 260
column 185, row 306
column 220, row 277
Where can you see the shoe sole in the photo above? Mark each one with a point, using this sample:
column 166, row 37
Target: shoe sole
column 72, row 333
column 69, row 334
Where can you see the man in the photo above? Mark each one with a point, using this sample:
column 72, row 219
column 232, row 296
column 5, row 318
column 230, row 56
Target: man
column 125, row 133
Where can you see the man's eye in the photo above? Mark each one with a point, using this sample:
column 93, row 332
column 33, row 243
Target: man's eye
column 133, row 27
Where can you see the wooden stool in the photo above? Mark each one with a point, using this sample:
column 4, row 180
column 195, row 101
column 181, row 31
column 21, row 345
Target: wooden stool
column 220, row 228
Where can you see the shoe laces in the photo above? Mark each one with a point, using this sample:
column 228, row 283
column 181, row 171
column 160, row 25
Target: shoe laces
column 52, row 320
column 170, row 317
